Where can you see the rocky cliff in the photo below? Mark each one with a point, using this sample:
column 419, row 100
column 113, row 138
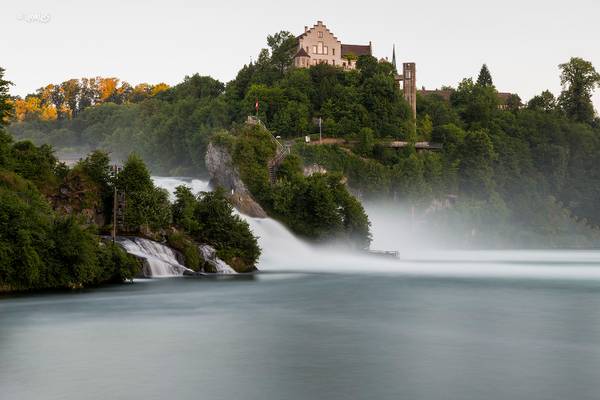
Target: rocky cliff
column 224, row 174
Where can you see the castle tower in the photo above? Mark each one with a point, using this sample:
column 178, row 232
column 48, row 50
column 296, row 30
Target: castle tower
column 409, row 78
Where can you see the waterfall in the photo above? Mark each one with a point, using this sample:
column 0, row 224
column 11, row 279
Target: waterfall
column 159, row 260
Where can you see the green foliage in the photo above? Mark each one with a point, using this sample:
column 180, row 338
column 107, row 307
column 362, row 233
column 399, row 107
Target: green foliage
column 485, row 77
column 209, row 219
column 40, row 250
column 365, row 143
column 186, row 246
column 6, row 108
column 476, row 104
column 578, row 78
column 146, row 206
column 283, row 48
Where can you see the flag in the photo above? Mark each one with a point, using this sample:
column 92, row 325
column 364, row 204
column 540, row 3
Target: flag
column 256, row 105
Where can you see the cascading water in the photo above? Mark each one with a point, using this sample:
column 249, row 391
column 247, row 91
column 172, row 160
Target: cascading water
column 420, row 255
column 159, row 260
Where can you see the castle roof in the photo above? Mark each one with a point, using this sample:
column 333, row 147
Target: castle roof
column 302, row 53
column 356, row 49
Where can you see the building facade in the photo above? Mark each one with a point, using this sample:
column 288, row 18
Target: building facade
column 318, row 45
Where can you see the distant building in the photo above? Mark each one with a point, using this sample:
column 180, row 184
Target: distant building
column 318, row 45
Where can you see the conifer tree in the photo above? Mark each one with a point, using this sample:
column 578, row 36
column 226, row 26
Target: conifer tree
column 485, row 78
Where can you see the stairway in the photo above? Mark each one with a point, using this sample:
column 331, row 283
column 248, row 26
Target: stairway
column 282, row 152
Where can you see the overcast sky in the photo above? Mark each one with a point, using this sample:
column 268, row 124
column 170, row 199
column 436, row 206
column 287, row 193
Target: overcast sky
column 522, row 41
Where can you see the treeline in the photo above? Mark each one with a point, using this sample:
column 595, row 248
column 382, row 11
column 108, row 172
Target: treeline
column 67, row 99
column 171, row 129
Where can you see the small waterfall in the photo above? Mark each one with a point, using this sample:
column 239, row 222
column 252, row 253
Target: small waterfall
column 210, row 255
column 160, row 261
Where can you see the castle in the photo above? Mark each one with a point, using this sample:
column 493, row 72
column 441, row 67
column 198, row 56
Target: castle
column 319, row 45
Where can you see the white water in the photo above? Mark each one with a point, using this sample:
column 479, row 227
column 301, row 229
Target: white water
column 160, row 261
column 282, row 251
column 221, row 267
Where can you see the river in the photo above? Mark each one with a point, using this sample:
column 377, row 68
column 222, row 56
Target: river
column 319, row 324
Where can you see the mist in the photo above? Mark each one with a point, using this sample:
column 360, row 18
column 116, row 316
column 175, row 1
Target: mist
column 424, row 250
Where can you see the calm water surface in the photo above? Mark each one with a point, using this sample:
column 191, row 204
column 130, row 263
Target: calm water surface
column 306, row 336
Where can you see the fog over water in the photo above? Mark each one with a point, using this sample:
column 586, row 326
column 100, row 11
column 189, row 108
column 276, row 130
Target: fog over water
column 423, row 251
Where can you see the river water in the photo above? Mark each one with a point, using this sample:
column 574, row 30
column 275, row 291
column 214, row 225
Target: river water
column 319, row 324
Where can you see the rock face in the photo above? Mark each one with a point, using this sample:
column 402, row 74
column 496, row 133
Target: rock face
column 214, row 264
column 224, row 174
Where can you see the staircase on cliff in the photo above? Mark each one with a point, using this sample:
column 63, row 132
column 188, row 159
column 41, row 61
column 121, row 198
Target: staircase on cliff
column 281, row 152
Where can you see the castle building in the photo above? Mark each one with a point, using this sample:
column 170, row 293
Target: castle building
column 318, row 45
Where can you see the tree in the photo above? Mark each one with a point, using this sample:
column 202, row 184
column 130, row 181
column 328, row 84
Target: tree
column 578, row 79
column 485, row 78
column 71, row 89
column 544, row 101
column 476, row 163
column 366, row 141
column 283, row 48
column 6, row 107
column 475, row 103
column 513, row 103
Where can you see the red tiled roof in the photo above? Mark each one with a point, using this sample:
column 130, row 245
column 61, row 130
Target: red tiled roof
column 356, row 49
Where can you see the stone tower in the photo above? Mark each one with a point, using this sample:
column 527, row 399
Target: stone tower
column 409, row 78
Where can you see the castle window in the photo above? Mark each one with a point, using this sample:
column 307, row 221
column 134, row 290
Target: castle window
column 315, row 50
column 333, row 52
column 332, row 62
column 320, row 48
column 320, row 34
column 325, row 50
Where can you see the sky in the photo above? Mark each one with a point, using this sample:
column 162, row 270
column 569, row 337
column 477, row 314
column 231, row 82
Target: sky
column 522, row 42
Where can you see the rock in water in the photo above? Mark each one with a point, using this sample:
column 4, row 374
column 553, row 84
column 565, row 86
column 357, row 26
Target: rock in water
column 224, row 174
